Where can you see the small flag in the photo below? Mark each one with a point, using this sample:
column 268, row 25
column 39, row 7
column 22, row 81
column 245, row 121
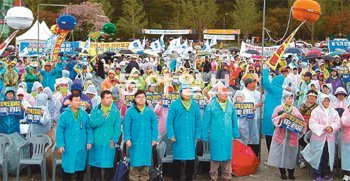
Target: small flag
column 206, row 46
column 95, row 35
column 135, row 45
column 86, row 45
column 4, row 44
column 213, row 41
column 156, row 46
column 24, row 52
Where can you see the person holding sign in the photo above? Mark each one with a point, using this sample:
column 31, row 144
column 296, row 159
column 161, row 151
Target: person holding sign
column 183, row 127
column 39, row 117
column 320, row 152
column 219, row 128
column 9, row 123
column 285, row 142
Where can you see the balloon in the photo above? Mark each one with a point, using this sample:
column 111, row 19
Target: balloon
column 109, row 28
column 54, row 28
column 306, row 10
column 67, row 22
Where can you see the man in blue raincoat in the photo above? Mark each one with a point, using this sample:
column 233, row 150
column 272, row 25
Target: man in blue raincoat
column 220, row 121
column 183, row 127
column 74, row 138
column 10, row 123
column 106, row 124
column 273, row 97
column 140, row 134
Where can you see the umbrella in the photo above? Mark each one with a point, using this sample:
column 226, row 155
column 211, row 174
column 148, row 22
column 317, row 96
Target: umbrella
column 124, row 51
column 197, row 47
column 204, row 53
column 348, row 49
column 256, row 57
column 102, row 56
column 314, row 52
column 61, row 54
column 345, row 56
column 109, row 53
column 294, row 51
column 340, row 50
column 78, row 49
column 312, row 56
column 252, row 52
column 234, row 49
column 327, row 57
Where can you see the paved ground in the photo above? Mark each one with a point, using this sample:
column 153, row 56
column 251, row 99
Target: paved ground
column 264, row 173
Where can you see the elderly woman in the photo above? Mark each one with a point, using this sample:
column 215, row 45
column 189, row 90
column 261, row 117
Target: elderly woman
column 285, row 143
column 320, row 152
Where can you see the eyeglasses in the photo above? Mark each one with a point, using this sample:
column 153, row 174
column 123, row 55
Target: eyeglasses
column 140, row 97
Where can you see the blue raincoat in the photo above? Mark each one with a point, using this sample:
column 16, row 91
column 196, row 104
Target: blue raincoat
column 141, row 128
column 104, row 129
column 273, row 98
column 48, row 79
column 73, row 135
column 59, row 68
column 10, row 124
column 185, row 127
column 222, row 127
column 2, row 72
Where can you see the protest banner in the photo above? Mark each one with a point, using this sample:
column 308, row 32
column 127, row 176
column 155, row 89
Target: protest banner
column 293, row 124
column 128, row 100
column 100, row 48
column 34, row 115
column 56, row 49
column 246, row 46
column 219, row 37
column 202, row 102
column 169, row 98
column 245, row 109
column 32, row 46
column 338, row 44
column 166, row 32
column 10, row 108
column 222, row 31
column 155, row 98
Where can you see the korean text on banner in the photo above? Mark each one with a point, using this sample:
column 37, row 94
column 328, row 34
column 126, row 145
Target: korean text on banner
column 60, row 39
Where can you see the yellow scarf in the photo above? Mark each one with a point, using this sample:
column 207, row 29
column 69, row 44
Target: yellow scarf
column 186, row 104
column 223, row 105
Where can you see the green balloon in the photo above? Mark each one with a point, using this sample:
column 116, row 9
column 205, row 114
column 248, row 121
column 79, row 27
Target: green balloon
column 109, row 28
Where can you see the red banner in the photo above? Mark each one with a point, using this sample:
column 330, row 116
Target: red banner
column 56, row 49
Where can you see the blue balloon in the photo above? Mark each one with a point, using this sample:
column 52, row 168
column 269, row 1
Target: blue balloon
column 67, row 22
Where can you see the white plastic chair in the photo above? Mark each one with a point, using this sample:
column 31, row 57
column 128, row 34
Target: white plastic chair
column 5, row 144
column 40, row 145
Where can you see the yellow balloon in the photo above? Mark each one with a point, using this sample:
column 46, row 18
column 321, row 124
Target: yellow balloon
column 54, row 29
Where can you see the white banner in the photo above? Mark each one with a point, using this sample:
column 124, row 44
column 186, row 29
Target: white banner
column 220, row 37
column 246, row 46
column 167, row 32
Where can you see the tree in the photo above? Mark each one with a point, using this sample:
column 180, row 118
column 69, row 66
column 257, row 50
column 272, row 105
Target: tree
column 133, row 17
column 199, row 14
column 246, row 16
column 90, row 17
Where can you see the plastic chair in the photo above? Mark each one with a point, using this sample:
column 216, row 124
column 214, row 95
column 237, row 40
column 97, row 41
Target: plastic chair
column 5, row 144
column 307, row 137
column 165, row 149
column 55, row 162
column 204, row 158
column 40, row 145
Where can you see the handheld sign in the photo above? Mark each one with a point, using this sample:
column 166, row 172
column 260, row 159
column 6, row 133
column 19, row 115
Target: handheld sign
column 245, row 109
column 169, row 98
column 10, row 108
column 155, row 98
column 293, row 124
column 202, row 103
column 129, row 99
column 34, row 115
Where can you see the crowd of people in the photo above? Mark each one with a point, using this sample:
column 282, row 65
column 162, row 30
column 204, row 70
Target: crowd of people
column 95, row 103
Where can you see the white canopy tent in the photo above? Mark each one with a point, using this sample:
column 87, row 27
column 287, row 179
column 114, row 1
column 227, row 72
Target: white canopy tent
column 32, row 33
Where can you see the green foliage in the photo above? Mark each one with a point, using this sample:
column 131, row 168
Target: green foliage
column 246, row 16
column 133, row 17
